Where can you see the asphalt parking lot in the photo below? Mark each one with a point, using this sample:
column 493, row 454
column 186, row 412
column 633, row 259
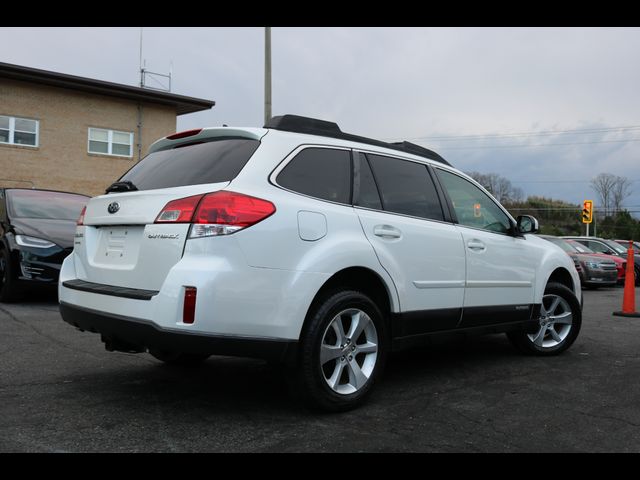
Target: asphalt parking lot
column 60, row 391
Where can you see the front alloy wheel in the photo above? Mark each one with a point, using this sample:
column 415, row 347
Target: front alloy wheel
column 558, row 326
column 555, row 322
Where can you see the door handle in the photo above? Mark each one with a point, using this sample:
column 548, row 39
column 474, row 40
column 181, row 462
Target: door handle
column 386, row 231
column 476, row 245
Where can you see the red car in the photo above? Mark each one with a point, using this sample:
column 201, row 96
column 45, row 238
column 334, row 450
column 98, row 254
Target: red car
column 621, row 264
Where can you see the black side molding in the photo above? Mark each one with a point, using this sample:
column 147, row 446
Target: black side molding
column 125, row 292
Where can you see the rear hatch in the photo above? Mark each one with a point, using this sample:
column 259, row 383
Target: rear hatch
column 122, row 242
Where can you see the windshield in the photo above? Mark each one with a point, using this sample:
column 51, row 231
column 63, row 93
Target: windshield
column 563, row 244
column 580, row 247
column 616, row 246
column 214, row 161
column 45, row 205
column 625, row 244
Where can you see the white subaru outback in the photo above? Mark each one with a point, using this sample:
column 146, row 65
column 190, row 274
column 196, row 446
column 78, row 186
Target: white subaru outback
column 309, row 246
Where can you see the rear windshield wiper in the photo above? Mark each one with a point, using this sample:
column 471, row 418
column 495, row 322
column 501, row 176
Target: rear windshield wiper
column 124, row 186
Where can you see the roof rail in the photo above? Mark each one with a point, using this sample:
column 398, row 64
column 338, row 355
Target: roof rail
column 314, row 126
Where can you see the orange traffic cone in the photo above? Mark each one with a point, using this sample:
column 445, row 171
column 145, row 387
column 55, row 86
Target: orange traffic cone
column 629, row 298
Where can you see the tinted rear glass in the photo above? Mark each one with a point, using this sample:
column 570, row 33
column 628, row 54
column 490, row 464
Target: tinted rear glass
column 406, row 187
column 319, row 172
column 42, row 204
column 211, row 162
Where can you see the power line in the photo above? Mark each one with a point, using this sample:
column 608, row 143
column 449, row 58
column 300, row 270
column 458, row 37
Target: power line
column 560, row 181
column 579, row 131
column 538, row 144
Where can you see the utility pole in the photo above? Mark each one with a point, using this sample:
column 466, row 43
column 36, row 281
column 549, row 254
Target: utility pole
column 267, row 74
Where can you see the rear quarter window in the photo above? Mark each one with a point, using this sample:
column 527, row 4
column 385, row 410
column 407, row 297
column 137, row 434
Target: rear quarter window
column 319, row 172
column 215, row 161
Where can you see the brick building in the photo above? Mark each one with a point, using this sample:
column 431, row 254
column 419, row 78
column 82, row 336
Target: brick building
column 77, row 134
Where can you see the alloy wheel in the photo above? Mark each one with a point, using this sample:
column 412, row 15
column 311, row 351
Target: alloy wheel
column 349, row 351
column 555, row 322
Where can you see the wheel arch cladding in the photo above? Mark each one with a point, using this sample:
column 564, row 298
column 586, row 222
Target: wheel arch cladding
column 562, row 276
column 360, row 279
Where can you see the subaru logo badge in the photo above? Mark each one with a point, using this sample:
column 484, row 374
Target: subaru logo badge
column 113, row 207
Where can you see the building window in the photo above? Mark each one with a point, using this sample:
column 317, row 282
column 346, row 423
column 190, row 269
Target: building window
column 110, row 142
column 18, row 131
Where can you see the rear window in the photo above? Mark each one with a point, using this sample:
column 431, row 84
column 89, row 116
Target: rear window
column 46, row 205
column 216, row 161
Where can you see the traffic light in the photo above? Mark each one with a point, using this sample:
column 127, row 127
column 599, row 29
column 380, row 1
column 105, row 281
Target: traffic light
column 587, row 211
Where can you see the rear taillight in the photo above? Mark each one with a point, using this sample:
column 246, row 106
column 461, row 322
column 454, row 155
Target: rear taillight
column 223, row 212
column 218, row 213
column 80, row 220
column 189, row 306
column 186, row 133
column 179, row 211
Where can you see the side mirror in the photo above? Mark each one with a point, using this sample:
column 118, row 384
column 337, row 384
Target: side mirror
column 527, row 224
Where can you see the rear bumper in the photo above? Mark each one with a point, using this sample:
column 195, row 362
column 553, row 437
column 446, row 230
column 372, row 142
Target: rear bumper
column 137, row 335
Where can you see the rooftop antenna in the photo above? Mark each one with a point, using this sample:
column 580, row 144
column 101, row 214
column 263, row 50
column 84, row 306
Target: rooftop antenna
column 160, row 81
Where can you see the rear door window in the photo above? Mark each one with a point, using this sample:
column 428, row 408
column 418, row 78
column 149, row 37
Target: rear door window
column 319, row 172
column 215, row 161
column 406, row 187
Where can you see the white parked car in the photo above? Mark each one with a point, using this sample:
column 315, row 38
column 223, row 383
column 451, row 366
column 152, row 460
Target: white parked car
column 306, row 245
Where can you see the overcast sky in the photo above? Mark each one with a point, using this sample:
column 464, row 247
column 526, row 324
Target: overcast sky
column 548, row 108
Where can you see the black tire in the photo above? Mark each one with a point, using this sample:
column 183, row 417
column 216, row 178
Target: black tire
column 9, row 291
column 636, row 271
column 178, row 358
column 310, row 376
column 543, row 342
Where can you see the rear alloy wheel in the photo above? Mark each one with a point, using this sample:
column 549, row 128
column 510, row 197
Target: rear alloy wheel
column 343, row 350
column 8, row 288
column 558, row 324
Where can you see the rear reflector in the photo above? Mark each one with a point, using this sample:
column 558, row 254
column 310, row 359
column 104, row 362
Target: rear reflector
column 189, row 308
column 80, row 220
column 186, row 133
column 179, row 211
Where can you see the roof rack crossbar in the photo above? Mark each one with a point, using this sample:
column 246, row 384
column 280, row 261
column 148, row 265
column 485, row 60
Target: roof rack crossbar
column 314, row 126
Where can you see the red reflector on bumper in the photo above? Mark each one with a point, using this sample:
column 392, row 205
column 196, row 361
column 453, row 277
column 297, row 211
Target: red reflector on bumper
column 189, row 308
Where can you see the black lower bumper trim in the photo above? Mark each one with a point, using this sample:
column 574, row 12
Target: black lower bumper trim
column 125, row 292
column 140, row 335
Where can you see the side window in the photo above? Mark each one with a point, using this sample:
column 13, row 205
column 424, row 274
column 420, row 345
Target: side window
column 406, row 187
column 473, row 207
column 319, row 172
column 365, row 191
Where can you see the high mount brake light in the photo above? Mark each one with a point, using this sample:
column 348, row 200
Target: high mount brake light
column 186, row 133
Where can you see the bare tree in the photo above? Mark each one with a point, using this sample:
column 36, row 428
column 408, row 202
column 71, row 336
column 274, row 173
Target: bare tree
column 603, row 184
column 620, row 191
column 499, row 186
